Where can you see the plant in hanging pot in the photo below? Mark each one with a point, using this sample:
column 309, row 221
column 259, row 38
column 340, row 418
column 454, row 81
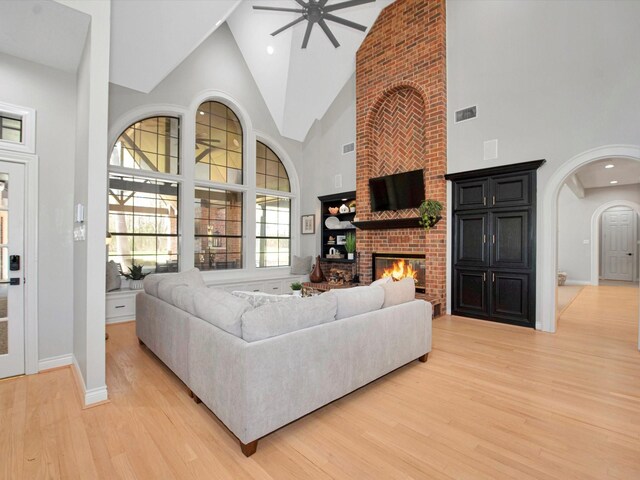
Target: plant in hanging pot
column 430, row 213
column 135, row 276
column 296, row 289
column 350, row 245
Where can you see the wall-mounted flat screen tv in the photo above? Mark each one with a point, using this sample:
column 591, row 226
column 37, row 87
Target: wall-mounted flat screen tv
column 397, row 192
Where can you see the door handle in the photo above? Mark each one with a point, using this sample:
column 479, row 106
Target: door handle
column 629, row 254
column 494, row 199
column 494, row 239
column 14, row 281
column 484, row 277
column 484, row 238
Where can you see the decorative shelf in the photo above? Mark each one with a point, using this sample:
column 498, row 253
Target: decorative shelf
column 413, row 222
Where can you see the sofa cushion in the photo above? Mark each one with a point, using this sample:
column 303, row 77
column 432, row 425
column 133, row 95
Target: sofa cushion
column 358, row 300
column 191, row 278
column 183, row 297
column 257, row 299
column 220, row 308
column 151, row 282
column 300, row 265
column 399, row 292
column 279, row 318
column 382, row 281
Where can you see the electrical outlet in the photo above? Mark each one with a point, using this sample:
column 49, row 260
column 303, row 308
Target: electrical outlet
column 491, row 149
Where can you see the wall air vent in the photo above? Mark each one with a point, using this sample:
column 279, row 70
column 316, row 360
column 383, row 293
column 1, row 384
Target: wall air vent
column 348, row 148
column 466, row 114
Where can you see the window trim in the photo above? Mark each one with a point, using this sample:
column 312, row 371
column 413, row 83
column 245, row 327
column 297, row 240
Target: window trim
column 186, row 179
column 28, row 117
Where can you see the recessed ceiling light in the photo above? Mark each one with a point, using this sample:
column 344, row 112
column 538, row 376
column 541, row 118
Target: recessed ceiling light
column 270, row 50
column 613, row 182
column 611, row 165
column 201, row 112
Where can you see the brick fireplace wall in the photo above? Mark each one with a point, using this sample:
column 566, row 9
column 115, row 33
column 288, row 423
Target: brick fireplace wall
column 401, row 126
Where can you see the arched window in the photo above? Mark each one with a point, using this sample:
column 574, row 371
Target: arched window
column 218, row 144
column 218, row 211
column 273, row 212
column 143, row 210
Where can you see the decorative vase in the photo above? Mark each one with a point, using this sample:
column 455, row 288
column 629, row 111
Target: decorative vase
column 297, row 293
column 349, row 256
column 344, row 209
column 317, row 276
column 136, row 284
column 352, row 209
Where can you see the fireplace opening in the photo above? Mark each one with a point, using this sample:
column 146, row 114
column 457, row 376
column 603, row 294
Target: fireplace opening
column 399, row 266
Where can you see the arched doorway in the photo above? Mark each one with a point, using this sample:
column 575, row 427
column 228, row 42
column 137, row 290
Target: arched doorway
column 548, row 247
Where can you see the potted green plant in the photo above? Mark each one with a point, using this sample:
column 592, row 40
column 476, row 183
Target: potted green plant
column 352, row 206
column 135, row 276
column 296, row 288
column 430, row 213
column 350, row 245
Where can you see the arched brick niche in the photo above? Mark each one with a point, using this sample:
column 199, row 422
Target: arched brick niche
column 401, row 126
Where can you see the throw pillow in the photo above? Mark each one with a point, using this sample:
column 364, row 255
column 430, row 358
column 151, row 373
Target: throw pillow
column 257, row 299
column 382, row 281
column 191, row 278
column 279, row 318
column 220, row 309
column 399, row 292
column 300, row 265
column 358, row 300
column 114, row 281
column 151, row 282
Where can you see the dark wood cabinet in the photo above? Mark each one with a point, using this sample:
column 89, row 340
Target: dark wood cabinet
column 494, row 236
column 333, row 238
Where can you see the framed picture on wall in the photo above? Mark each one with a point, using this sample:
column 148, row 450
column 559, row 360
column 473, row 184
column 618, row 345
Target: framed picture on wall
column 308, row 224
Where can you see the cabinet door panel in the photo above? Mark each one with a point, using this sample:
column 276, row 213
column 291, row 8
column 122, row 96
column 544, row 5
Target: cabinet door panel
column 471, row 194
column 510, row 239
column 471, row 293
column 510, row 190
column 510, row 297
column 471, row 239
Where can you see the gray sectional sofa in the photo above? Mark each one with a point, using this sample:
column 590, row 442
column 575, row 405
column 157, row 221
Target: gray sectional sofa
column 258, row 368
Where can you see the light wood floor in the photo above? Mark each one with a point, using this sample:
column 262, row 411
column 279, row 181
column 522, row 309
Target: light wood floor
column 492, row 402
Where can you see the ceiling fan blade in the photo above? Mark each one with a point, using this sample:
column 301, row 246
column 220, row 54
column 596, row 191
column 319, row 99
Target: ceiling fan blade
column 307, row 34
column 288, row 25
column 322, row 3
column 342, row 21
column 350, row 3
column 328, row 32
column 278, row 9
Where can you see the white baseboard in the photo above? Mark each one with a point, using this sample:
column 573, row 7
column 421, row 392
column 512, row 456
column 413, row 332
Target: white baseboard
column 55, row 362
column 128, row 318
column 577, row 282
column 95, row 395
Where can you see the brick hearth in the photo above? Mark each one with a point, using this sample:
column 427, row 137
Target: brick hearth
column 401, row 126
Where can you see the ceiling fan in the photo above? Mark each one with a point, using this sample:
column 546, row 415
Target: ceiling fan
column 317, row 11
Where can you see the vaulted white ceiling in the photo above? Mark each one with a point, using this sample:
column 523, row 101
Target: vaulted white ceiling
column 150, row 39
column 298, row 85
column 43, row 32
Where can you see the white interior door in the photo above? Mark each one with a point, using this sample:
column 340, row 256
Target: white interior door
column 11, row 278
column 618, row 241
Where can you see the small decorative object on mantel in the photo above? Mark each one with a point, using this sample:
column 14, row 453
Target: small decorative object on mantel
column 334, row 254
column 334, row 210
column 296, row 289
column 135, row 277
column 316, row 275
column 430, row 213
column 352, row 206
column 344, row 208
column 350, row 245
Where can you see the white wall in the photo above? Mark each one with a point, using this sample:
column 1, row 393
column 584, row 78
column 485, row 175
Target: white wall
column 52, row 93
column 574, row 226
column 323, row 159
column 551, row 79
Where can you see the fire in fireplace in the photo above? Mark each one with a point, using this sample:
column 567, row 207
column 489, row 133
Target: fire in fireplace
column 399, row 266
